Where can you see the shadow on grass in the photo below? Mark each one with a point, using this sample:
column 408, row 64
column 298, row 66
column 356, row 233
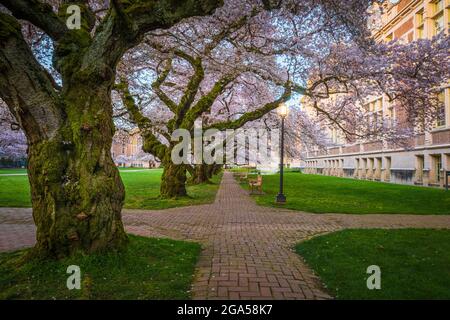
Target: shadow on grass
column 149, row 268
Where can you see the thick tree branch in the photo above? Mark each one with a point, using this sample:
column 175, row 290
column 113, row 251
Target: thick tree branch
column 150, row 15
column 272, row 4
column 225, row 32
column 25, row 86
column 205, row 102
column 38, row 13
column 192, row 87
column 336, row 122
column 151, row 143
column 127, row 22
column 252, row 115
column 156, row 86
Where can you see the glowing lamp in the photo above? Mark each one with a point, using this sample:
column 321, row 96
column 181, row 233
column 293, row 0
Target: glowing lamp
column 283, row 110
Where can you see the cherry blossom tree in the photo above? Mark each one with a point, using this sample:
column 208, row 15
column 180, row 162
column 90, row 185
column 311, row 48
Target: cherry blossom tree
column 190, row 81
column 410, row 75
column 240, row 63
column 225, row 69
column 57, row 83
column 13, row 144
column 77, row 193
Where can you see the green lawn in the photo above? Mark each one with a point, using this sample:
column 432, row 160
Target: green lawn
column 148, row 269
column 414, row 263
column 323, row 194
column 141, row 189
column 13, row 171
column 241, row 169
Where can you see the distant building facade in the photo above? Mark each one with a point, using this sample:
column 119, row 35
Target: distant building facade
column 127, row 151
column 427, row 160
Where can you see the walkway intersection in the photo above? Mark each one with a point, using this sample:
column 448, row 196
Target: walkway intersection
column 247, row 249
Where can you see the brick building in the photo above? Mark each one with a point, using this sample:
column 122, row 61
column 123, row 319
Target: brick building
column 427, row 160
column 126, row 151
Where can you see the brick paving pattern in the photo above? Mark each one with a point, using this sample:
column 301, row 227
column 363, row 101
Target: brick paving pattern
column 247, row 249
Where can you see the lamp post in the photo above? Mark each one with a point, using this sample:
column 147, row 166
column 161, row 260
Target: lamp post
column 282, row 111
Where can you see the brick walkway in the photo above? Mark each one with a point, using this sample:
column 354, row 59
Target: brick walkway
column 247, row 249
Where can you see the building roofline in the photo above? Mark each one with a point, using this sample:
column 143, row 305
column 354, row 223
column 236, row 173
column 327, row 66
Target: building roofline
column 397, row 18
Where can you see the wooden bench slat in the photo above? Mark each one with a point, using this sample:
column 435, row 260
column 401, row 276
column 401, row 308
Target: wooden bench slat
column 256, row 183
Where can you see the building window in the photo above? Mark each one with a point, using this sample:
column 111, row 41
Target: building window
column 391, row 116
column 438, row 17
column 422, row 162
column 378, row 118
column 407, row 37
column 379, row 161
column 438, row 23
column 437, row 168
column 420, row 25
column 420, row 166
column 375, row 105
column 438, row 6
column 375, row 112
column 440, row 118
column 389, row 37
column 335, row 137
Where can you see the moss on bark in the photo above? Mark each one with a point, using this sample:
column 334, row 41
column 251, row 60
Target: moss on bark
column 77, row 193
column 173, row 180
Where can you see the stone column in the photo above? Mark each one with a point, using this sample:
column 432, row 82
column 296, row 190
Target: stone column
column 426, row 177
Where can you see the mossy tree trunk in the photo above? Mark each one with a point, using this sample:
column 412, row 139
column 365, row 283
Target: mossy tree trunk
column 173, row 181
column 77, row 193
column 200, row 174
column 214, row 169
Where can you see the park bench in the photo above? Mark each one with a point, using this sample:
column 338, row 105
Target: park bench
column 243, row 176
column 256, row 184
